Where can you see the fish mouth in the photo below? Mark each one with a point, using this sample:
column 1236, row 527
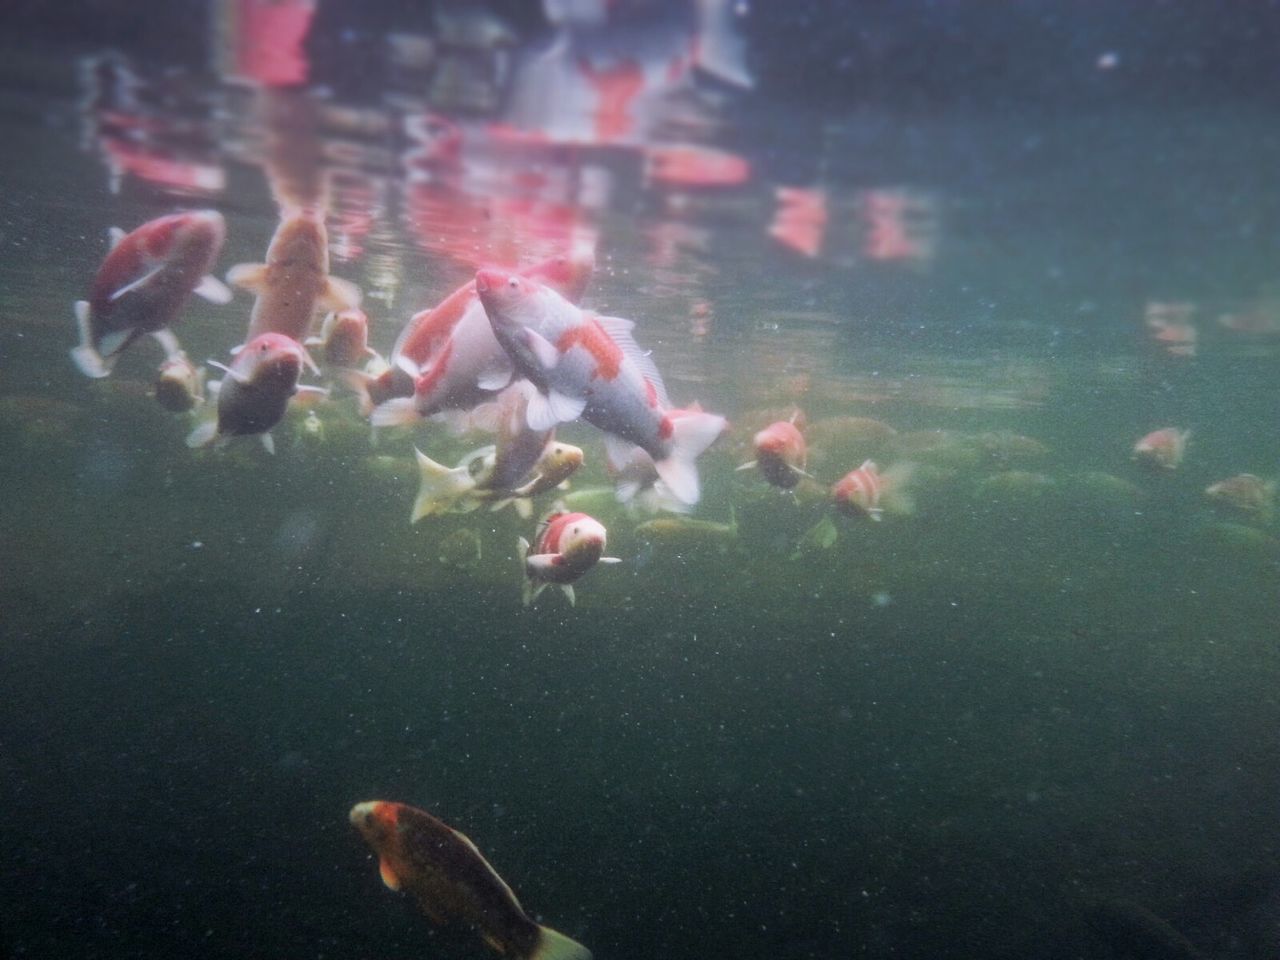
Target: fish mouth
column 362, row 813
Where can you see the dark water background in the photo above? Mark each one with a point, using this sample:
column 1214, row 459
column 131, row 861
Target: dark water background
column 969, row 732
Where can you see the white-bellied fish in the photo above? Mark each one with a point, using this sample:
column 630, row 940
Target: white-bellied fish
column 143, row 284
column 588, row 365
column 781, row 454
column 568, row 545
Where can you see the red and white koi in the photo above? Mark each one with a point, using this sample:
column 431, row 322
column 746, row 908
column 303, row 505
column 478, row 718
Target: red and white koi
column 1163, row 448
column 293, row 287
column 781, row 453
column 568, row 545
column 254, row 394
column 588, row 365
column 448, row 358
column 143, row 284
column 857, row 493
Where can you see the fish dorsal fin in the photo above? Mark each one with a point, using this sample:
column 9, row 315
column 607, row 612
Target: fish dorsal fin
column 492, row 872
column 136, row 284
column 619, row 330
column 114, row 236
column 388, row 875
column 212, row 289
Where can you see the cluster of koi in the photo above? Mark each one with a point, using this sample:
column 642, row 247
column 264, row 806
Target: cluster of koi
column 508, row 352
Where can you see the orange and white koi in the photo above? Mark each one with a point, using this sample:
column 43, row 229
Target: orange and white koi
column 343, row 340
column 143, row 284
column 568, row 545
column 451, row 881
column 780, row 454
column 1163, row 448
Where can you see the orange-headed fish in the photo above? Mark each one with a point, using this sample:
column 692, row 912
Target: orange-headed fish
column 343, row 339
column 294, row 285
column 858, row 492
column 780, row 454
column 144, row 283
column 569, row 544
column 256, row 390
column 452, row 881
column 1162, row 448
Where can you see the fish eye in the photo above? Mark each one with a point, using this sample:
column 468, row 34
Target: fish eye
column 513, row 283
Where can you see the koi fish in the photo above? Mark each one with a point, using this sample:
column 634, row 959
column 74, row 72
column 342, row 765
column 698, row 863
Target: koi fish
column 256, row 390
column 448, row 358
column 857, row 493
column 569, row 544
column 1246, row 492
column 866, row 492
column 343, row 339
column 452, row 881
column 180, row 384
column 587, row 365
column 143, row 284
column 1163, row 448
column 780, row 454
column 294, row 285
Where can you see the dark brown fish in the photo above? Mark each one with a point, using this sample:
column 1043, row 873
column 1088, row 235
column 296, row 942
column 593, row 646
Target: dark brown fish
column 452, row 881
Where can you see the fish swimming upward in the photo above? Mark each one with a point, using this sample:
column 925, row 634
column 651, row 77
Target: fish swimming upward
column 254, row 394
column 452, row 882
column 294, row 285
column 143, row 284
column 447, row 357
column 587, row 365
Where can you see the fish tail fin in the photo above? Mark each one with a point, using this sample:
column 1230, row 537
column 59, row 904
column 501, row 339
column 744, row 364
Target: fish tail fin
column 895, row 493
column 396, row 412
column 439, row 488
column 203, row 434
column 690, row 435
column 88, row 359
column 556, row 946
column 531, row 590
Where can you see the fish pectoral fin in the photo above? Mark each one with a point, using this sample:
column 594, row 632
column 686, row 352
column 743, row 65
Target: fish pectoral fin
column 609, row 560
column 136, row 284
column 233, row 374
column 114, row 236
column 248, row 276
column 388, row 875
column 340, row 295
column 543, row 350
column 497, row 374
column 212, row 289
column 567, row 590
column 493, row 942
column 553, row 945
column 745, row 466
column 203, row 435
column 538, row 562
column 268, row 444
column 168, row 343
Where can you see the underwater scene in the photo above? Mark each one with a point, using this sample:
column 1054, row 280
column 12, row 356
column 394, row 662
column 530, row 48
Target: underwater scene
column 640, row 479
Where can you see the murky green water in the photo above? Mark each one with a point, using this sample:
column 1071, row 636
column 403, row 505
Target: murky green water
column 1045, row 695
